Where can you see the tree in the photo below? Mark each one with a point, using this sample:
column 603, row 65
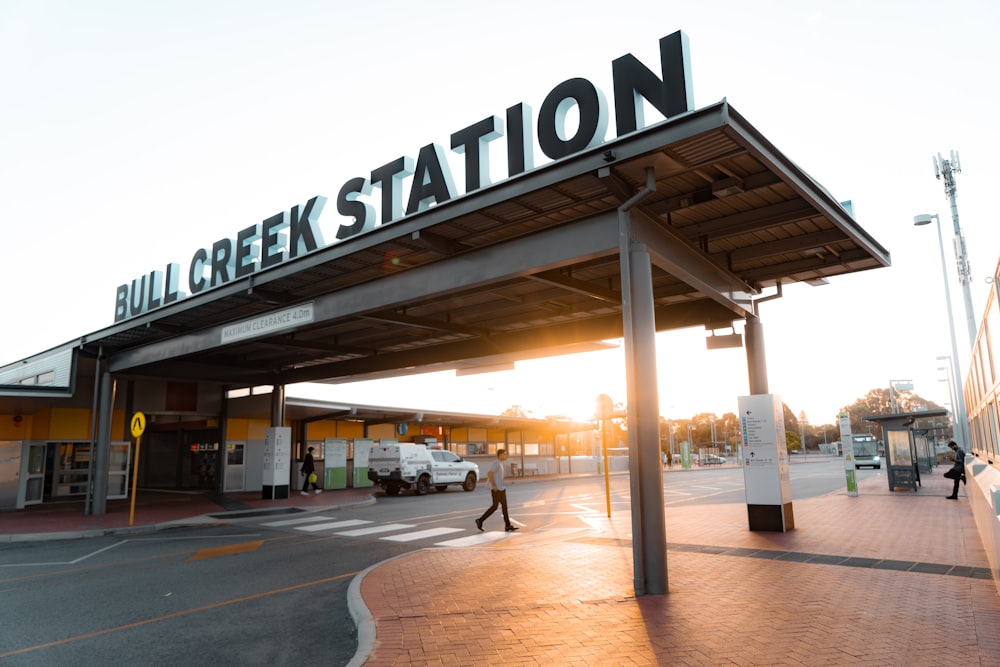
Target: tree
column 879, row 402
column 517, row 411
column 730, row 425
column 792, row 439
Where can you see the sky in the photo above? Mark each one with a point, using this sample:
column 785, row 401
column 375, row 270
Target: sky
column 132, row 134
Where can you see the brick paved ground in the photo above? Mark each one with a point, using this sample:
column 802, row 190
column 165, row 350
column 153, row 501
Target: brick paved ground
column 878, row 579
column 770, row 599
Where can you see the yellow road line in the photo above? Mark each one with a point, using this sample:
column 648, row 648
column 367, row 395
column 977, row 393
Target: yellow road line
column 228, row 550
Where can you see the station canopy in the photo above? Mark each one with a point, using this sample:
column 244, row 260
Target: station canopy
column 527, row 267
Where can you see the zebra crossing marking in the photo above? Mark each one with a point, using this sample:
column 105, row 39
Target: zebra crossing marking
column 330, row 526
column 371, row 530
column 361, row 527
column 293, row 522
column 423, row 534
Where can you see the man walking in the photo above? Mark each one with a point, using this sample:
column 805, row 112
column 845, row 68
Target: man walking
column 957, row 471
column 498, row 491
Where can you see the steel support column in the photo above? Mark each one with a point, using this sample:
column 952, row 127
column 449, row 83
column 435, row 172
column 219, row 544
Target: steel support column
column 105, row 408
column 649, row 541
column 756, row 361
column 278, row 405
column 650, row 552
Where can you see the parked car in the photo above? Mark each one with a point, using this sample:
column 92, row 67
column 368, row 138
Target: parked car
column 714, row 459
column 410, row 465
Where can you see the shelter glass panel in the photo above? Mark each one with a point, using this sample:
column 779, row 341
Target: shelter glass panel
column 899, row 448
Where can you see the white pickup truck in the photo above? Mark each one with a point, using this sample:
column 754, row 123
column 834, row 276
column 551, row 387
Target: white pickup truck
column 414, row 466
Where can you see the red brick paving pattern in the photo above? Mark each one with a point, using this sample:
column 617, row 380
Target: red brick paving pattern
column 572, row 602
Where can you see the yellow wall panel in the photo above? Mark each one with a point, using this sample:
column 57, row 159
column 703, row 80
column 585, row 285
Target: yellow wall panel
column 14, row 430
column 322, row 429
column 332, row 428
column 257, row 428
column 118, row 422
column 379, row 431
column 351, row 430
column 69, row 424
column 237, row 429
column 39, row 424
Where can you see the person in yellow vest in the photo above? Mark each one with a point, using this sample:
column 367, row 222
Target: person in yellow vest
column 309, row 472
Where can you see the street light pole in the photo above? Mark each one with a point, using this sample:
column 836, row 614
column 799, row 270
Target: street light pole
column 904, row 385
column 951, row 385
column 946, row 170
column 953, row 394
column 803, row 422
column 959, row 405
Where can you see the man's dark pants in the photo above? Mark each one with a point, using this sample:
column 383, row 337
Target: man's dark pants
column 499, row 498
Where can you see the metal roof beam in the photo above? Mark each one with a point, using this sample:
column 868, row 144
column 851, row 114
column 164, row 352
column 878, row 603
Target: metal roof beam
column 554, row 247
column 675, row 255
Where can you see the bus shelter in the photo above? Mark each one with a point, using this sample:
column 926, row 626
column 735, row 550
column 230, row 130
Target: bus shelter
column 907, row 452
column 937, row 437
column 923, row 442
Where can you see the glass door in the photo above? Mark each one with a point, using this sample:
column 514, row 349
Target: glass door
column 118, row 470
column 71, row 469
column 34, row 473
column 235, row 466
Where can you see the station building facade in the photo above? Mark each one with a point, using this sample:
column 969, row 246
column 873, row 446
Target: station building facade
column 982, row 401
column 198, row 440
column 692, row 220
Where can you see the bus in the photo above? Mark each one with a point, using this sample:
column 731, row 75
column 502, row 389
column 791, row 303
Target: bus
column 866, row 454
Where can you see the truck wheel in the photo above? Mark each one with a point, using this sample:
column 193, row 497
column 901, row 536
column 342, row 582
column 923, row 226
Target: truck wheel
column 423, row 485
column 441, row 487
column 392, row 489
column 470, row 483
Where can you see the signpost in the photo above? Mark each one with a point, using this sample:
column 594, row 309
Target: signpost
column 605, row 408
column 138, row 425
column 847, row 444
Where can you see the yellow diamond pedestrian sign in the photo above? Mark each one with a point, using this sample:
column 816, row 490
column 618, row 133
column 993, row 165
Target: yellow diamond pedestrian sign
column 138, row 424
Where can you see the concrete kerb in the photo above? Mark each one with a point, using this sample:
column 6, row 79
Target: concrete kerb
column 96, row 532
column 361, row 615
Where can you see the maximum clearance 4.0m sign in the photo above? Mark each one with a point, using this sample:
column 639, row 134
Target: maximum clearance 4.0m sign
column 296, row 232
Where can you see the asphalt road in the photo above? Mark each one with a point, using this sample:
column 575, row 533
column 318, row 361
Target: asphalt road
column 272, row 590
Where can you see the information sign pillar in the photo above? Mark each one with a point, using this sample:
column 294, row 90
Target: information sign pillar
column 847, row 445
column 277, row 462
column 765, row 463
column 335, row 464
column 362, row 449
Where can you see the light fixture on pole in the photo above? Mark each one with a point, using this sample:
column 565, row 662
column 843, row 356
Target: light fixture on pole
column 900, row 385
column 947, row 378
column 959, row 406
